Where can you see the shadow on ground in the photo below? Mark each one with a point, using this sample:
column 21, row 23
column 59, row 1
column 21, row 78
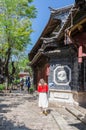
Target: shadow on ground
column 9, row 125
column 32, row 98
column 82, row 125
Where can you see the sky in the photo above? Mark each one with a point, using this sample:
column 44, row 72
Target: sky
column 43, row 15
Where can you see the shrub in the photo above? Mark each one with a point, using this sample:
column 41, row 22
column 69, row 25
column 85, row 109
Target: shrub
column 31, row 90
column 2, row 87
column 16, row 81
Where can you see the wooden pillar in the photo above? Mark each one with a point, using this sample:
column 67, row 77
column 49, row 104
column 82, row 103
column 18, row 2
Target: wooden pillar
column 80, row 52
column 47, row 72
column 80, row 78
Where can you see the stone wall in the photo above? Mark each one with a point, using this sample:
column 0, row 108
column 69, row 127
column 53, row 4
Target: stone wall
column 63, row 73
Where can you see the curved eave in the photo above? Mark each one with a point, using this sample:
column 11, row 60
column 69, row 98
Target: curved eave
column 36, row 57
column 51, row 25
column 67, row 24
column 61, row 10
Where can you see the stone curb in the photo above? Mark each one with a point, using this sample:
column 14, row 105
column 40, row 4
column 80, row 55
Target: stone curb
column 60, row 121
column 79, row 115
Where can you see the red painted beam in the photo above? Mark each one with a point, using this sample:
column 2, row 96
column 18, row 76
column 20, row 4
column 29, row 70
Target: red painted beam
column 80, row 54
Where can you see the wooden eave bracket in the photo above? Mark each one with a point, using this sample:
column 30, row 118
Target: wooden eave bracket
column 47, row 38
column 39, row 53
column 77, row 26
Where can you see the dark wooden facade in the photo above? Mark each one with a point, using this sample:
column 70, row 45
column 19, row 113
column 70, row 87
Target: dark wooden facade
column 59, row 56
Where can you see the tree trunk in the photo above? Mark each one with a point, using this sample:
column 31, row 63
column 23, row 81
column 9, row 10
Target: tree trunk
column 6, row 66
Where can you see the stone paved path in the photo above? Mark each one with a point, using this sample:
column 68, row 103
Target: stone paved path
column 20, row 112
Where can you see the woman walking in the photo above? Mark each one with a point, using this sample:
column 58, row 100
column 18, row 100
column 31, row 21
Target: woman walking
column 43, row 96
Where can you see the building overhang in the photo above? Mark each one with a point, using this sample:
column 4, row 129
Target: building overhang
column 77, row 26
column 51, row 25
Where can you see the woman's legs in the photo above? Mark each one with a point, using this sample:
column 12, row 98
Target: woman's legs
column 43, row 103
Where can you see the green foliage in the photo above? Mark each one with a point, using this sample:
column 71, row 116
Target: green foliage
column 2, row 87
column 16, row 81
column 15, row 23
column 15, row 27
column 23, row 64
column 31, row 89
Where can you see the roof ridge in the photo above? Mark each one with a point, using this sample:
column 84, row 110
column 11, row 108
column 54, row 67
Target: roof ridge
column 60, row 9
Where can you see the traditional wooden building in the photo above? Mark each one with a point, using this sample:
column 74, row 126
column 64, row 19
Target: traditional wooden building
column 59, row 56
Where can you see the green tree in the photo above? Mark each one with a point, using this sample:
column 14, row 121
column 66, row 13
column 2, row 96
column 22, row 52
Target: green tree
column 15, row 28
column 22, row 64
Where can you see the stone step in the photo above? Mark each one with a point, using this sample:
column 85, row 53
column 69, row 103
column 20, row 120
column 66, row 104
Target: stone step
column 81, row 108
column 81, row 116
column 61, row 122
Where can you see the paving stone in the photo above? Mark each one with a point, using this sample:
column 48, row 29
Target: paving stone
column 19, row 111
column 81, row 116
column 22, row 113
column 61, row 122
